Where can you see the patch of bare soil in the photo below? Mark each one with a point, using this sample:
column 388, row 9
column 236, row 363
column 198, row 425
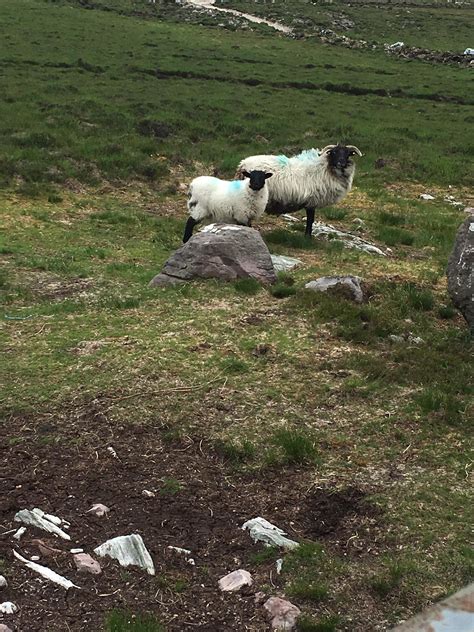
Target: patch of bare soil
column 199, row 504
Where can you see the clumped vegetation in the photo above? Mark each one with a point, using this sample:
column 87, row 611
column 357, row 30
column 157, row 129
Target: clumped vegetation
column 280, row 390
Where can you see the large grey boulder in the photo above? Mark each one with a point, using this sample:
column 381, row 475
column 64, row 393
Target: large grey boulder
column 460, row 271
column 348, row 286
column 225, row 252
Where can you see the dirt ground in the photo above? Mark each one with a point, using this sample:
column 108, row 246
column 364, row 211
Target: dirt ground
column 200, row 504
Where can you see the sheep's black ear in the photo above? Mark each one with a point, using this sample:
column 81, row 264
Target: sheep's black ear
column 246, row 174
column 268, row 175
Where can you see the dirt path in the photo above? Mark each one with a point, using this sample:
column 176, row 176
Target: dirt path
column 209, row 4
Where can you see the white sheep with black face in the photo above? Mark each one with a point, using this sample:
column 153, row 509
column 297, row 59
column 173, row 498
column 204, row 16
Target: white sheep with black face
column 238, row 201
column 312, row 179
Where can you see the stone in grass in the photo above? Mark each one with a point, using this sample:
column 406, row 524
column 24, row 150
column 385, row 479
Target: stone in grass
column 460, row 271
column 128, row 550
column 283, row 264
column 224, row 252
column 283, row 614
column 87, row 564
column 348, row 286
column 235, row 580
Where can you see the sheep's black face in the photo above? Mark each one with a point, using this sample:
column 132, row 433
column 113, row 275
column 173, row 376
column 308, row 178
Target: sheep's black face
column 257, row 179
column 340, row 157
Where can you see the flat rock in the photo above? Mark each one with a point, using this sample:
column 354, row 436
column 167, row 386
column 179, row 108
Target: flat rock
column 460, row 271
column 283, row 264
column 283, row 614
column 128, row 550
column 263, row 531
column 349, row 286
column 235, row 580
column 224, row 252
column 87, row 564
column 349, row 240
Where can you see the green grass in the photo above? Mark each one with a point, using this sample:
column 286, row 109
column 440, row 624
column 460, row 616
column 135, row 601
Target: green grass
column 308, row 624
column 122, row 622
column 103, row 135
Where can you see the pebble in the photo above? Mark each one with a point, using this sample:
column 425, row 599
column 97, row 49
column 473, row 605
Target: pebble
column 99, row 510
column 282, row 613
column 7, row 607
column 87, row 564
column 3, row 582
column 5, row 628
column 235, row 580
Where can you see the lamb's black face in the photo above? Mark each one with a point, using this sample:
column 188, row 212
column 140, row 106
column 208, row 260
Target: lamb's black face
column 340, row 157
column 257, row 179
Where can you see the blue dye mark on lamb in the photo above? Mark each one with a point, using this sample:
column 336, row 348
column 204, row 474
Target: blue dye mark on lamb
column 308, row 155
column 235, row 185
column 283, row 160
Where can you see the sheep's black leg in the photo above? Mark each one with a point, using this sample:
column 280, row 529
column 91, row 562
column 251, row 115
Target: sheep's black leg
column 188, row 229
column 309, row 222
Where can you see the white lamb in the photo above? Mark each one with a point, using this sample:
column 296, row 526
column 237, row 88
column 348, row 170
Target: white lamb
column 312, row 179
column 240, row 201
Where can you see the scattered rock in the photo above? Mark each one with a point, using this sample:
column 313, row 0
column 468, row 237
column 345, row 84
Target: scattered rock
column 282, row 263
column 74, row 551
column 426, row 196
column 235, row 580
column 148, row 494
column 128, row 550
column 259, row 597
column 7, row 607
column 98, row 510
column 469, row 209
column 46, row 572
column 348, row 239
column 87, row 564
column 460, row 271
column 416, row 340
column 279, row 565
column 19, row 533
column 283, row 614
column 3, row 582
column 5, row 628
column 349, row 286
column 225, row 252
column 185, row 552
column 37, row 518
column 263, row 531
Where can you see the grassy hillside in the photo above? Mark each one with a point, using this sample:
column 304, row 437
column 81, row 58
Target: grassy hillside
column 228, row 400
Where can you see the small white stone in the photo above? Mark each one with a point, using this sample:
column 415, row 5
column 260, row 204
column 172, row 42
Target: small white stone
column 35, row 558
column 19, row 533
column 75, row 551
column 279, row 565
column 98, row 510
column 3, row 582
column 7, row 607
column 235, row 580
column 148, row 494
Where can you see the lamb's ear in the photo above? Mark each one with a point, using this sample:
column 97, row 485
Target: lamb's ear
column 246, row 174
column 268, row 175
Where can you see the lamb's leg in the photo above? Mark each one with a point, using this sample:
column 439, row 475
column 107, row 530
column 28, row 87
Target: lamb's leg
column 309, row 222
column 188, row 230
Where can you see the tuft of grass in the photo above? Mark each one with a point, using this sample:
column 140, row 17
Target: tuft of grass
column 119, row 621
column 282, row 290
column 236, row 453
column 290, row 239
column 170, row 487
column 326, row 624
column 447, row 406
column 420, row 299
column 390, row 580
column 296, row 447
column 306, row 588
column 267, row 554
column 247, row 286
column 234, row 365
column 447, row 312
column 331, row 213
column 392, row 235
column 391, row 219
